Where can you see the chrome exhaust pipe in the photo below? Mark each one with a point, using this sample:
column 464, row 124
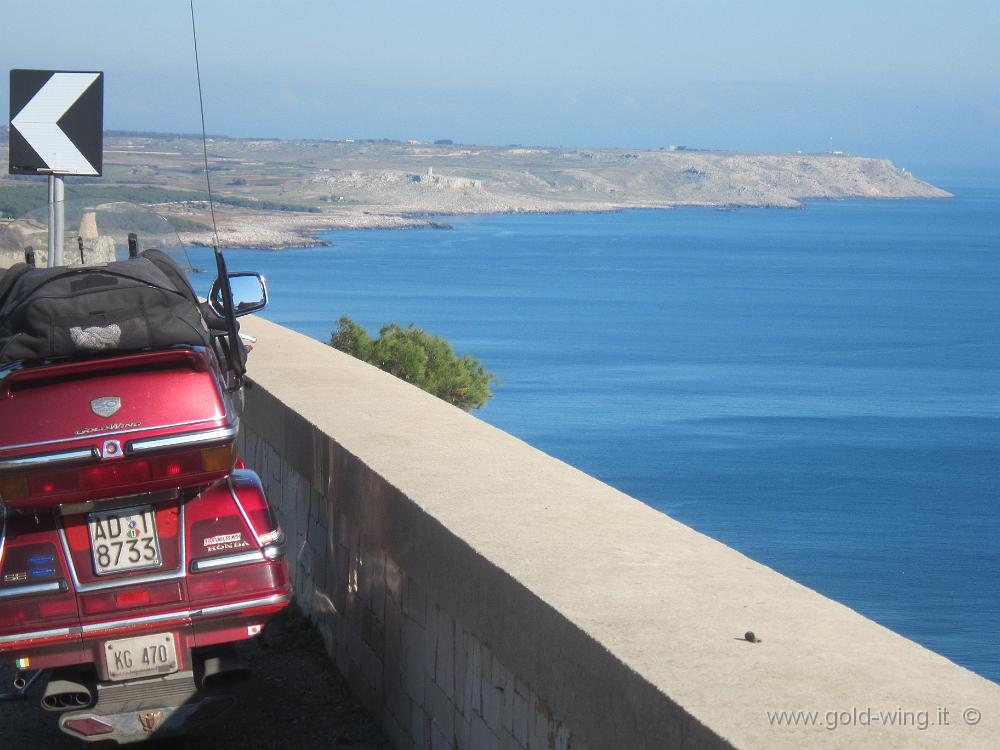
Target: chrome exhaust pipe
column 21, row 684
column 65, row 691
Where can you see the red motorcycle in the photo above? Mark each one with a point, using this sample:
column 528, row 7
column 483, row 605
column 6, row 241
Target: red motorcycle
column 135, row 547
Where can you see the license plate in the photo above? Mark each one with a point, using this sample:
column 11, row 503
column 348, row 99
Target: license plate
column 144, row 656
column 124, row 540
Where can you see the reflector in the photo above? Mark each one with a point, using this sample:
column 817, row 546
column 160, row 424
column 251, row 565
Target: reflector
column 220, row 458
column 132, row 598
column 13, row 486
column 88, row 727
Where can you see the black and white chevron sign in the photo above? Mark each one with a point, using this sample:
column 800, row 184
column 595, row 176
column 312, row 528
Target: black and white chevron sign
column 56, row 122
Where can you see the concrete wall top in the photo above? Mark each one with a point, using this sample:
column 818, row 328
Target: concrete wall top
column 623, row 616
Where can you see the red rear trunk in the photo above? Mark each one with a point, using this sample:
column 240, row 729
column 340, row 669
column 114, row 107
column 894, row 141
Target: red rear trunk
column 127, row 538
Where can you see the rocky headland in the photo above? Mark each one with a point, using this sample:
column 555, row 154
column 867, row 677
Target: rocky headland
column 286, row 192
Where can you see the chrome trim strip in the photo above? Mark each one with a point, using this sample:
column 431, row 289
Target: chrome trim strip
column 38, row 634
column 186, row 614
column 118, row 502
column 32, row 588
column 150, row 619
column 181, row 571
column 224, row 608
column 175, row 441
column 226, row 561
column 147, row 620
column 46, row 459
column 89, row 435
column 3, row 531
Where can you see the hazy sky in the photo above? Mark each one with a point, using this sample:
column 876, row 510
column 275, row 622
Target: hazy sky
column 915, row 81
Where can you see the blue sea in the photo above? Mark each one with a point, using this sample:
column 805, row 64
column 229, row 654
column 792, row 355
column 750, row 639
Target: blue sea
column 817, row 388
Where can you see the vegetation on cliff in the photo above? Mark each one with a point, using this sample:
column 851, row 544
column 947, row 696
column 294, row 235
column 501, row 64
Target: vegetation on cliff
column 420, row 358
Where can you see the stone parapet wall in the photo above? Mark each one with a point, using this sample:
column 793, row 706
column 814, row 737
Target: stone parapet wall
column 477, row 593
column 432, row 683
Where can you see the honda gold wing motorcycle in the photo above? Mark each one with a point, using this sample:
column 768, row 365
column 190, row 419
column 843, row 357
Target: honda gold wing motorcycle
column 135, row 547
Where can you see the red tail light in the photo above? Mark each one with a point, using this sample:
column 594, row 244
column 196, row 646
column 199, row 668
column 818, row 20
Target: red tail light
column 34, row 592
column 91, row 480
column 230, row 525
column 63, row 607
column 155, row 594
column 241, row 581
column 131, row 598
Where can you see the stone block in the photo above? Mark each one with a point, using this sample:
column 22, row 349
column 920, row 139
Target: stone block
column 520, row 719
column 341, row 654
column 365, row 575
column 343, row 530
column 322, row 464
column 480, row 735
column 377, row 573
column 342, row 573
column 415, row 602
column 431, row 628
column 440, row 709
column 395, row 579
column 420, row 728
column 541, row 725
column 354, row 643
column 439, row 741
column 444, row 664
column 396, row 699
column 312, row 500
column 266, row 415
column 503, row 680
column 393, row 635
column 298, row 446
column 376, row 637
column 507, row 741
column 473, row 693
column 461, row 659
column 463, row 738
column 564, row 739
column 371, row 667
column 492, row 705
column 396, row 732
column 413, row 659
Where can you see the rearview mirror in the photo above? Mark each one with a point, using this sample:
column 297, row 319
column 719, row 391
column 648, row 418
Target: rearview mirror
column 249, row 294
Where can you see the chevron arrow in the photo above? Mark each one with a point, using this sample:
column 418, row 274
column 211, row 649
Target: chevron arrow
column 38, row 122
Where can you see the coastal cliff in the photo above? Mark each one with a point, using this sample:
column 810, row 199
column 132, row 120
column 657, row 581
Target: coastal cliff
column 283, row 192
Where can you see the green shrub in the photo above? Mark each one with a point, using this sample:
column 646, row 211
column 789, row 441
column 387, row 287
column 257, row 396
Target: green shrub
column 420, row 358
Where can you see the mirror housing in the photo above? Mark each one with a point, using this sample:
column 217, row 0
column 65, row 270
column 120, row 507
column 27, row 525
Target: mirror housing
column 249, row 294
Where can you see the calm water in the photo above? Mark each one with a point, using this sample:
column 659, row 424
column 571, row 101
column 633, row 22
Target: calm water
column 816, row 388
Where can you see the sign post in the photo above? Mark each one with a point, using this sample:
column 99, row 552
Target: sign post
column 56, row 129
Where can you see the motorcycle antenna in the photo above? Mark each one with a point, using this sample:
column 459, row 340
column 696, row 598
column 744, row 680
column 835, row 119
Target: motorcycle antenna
column 236, row 364
column 204, row 137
